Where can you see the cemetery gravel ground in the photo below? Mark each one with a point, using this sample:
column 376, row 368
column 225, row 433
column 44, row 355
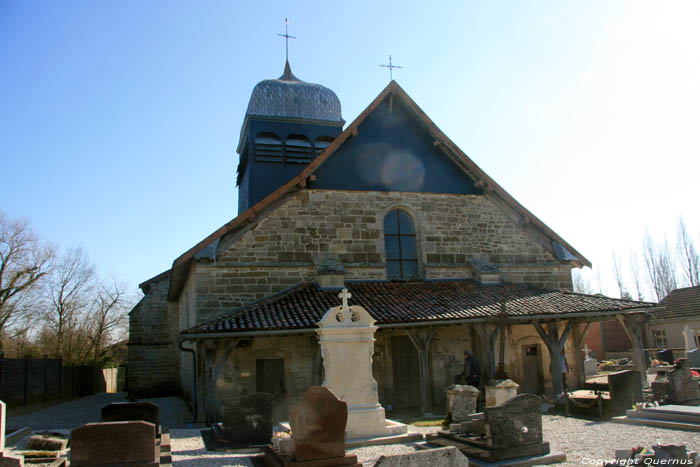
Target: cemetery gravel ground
column 578, row 438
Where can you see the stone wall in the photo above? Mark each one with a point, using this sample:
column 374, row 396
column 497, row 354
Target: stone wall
column 153, row 355
column 277, row 251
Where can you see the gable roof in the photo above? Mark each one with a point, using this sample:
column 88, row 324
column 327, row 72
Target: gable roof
column 401, row 303
column 679, row 304
column 561, row 249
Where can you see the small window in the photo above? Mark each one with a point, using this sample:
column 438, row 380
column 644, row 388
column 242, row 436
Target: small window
column 268, row 148
column 322, row 142
column 696, row 333
column 298, row 150
column 400, row 246
column 659, row 338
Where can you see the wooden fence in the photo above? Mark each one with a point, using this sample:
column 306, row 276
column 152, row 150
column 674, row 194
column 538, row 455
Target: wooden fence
column 25, row 381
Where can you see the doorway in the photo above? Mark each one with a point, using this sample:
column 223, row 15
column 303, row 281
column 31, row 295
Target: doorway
column 269, row 376
column 533, row 381
column 404, row 359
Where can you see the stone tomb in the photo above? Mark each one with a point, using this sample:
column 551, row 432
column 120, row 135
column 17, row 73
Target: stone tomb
column 114, row 443
column 511, row 430
column 683, row 387
column 694, row 358
column 679, row 417
column 318, row 425
column 346, row 337
column 247, row 421
column 461, row 401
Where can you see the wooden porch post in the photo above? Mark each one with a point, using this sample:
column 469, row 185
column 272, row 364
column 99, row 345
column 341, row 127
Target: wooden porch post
column 212, row 369
column 579, row 340
column 555, row 345
column 633, row 326
column 421, row 340
column 487, row 334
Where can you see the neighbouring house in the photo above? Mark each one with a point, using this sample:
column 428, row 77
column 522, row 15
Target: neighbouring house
column 390, row 208
column 667, row 326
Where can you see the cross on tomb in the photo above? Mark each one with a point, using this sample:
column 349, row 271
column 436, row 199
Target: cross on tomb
column 587, row 351
column 391, row 67
column 344, row 295
column 286, row 38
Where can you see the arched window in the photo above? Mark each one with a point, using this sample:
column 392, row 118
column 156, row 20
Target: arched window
column 268, row 148
column 321, row 143
column 400, row 245
column 298, row 150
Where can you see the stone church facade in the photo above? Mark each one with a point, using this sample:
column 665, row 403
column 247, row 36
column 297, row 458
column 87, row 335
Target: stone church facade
column 389, row 207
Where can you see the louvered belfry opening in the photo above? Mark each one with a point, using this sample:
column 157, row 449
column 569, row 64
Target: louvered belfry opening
column 298, row 150
column 268, row 148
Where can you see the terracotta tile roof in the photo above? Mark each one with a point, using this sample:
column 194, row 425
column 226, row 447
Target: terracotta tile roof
column 680, row 303
column 405, row 302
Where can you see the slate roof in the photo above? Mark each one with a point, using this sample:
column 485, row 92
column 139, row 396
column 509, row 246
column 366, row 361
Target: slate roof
column 290, row 97
column 679, row 304
column 413, row 302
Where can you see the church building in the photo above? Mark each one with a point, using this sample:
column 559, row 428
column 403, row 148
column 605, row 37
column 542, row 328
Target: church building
column 440, row 255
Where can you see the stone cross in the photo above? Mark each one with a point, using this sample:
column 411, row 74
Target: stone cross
column 587, row 351
column 344, row 295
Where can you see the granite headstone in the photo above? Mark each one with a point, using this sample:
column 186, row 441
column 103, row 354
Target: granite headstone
column 694, row 358
column 665, row 355
column 684, row 388
column 114, row 443
column 516, row 422
column 625, row 390
column 248, row 419
column 318, row 425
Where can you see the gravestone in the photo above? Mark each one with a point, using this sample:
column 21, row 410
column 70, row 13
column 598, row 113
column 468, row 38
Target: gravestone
column 248, row 419
column 499, row 391
column 625, row 390
column 661, row 390
column 683, row 387
column 668, row 452
column 517, row 422
column 461, row 401
column 6, row 460
column 665, row 355
column 318, row 425
column 130, row 411
column 590, row 367
column 114, row 443
column 346, row 337
column 511, row 430
column 694, row 358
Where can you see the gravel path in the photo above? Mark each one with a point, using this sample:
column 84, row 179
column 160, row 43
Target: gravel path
column 172, row 412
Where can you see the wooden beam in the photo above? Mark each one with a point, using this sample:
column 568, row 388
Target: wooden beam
column 421, row 340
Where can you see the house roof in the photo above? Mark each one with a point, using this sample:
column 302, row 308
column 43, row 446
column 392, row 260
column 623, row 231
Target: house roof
column 679, row 304
column 562, row 249
column 396, row 303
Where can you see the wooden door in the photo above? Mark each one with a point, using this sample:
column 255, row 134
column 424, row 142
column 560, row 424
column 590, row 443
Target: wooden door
column 532, row 369
column 404, row 358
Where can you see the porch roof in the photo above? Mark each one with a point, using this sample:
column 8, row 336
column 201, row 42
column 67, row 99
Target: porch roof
column 404, row 303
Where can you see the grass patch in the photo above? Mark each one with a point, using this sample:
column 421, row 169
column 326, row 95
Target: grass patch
column 427, row 422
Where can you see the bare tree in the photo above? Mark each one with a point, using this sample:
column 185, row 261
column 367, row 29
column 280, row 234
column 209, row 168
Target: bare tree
column 67, row 295
column 108, row 318
column 24, row 261
column 617, row 271
column 660, row 267
column 580, row 283
column 634, row 269
column 688, row 255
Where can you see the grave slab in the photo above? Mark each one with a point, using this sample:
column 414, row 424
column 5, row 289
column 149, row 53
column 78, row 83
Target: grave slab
column 438, row 457
column 110, row 443
column 247, row 421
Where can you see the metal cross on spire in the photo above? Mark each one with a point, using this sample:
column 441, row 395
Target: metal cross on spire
column 286, row 38
column 391, row 67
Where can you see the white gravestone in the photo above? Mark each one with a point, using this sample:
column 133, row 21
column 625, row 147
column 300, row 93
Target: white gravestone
column 689, row 337
column 5, row 459
column 461, row 401
column 346, row 336
column 500, row 390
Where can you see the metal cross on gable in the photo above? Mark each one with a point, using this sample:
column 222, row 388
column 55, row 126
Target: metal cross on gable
column 286, row 38
column 391, row 67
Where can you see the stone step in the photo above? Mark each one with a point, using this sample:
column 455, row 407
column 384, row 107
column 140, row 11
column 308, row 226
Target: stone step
column 657, row 423
column 669, row 416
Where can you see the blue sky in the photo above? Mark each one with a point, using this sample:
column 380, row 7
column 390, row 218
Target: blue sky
column 119, row 120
